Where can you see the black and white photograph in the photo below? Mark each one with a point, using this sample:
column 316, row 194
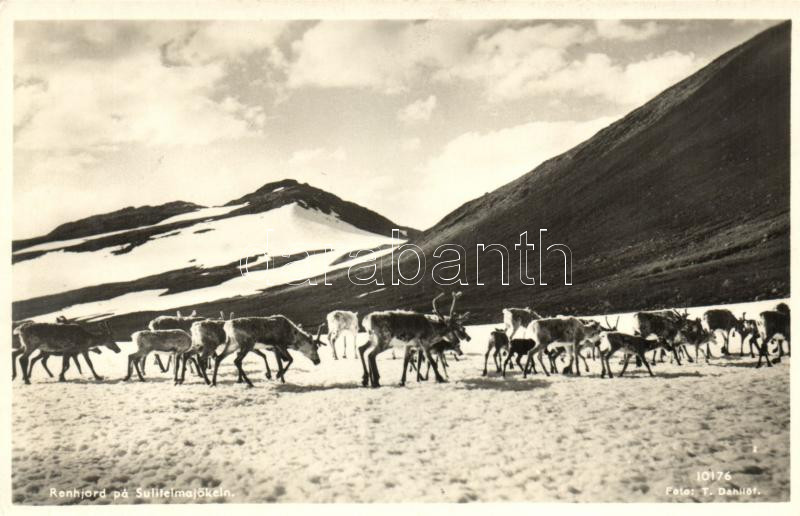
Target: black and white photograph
column 432, row 254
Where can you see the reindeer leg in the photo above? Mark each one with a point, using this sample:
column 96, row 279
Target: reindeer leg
column 485, row 362
column 406, row 360
column 33, row 362
column 624, row 365
column 505, row 363
column 764, row 351
column 585, row 364
column 436, row 374
column 332, row 342
column 183, row 370
column 443, row 361
column 200, row 368
column 420, row 357
column 653, row 360
column 646, row 365
column 14, row 356
column 674, row 353
column 373, row 367
column 217, row 360
column 177, row 366
column 344, row 347
column 519, row 362
column 418, row 366
column 130, row 366
column 77, row 364
column 283, row 353
column 160, row 364
column 64, row 367
column 498, row 358
column 238, row 363
column 361, row 351
column 44, row 357
column 604, row 365
column 541, row 362
column 266, row 364
column 85, row 354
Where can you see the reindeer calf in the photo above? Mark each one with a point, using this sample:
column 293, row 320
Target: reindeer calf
column 178, row 342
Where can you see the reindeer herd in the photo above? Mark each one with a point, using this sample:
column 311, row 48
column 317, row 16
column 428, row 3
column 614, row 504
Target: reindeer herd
column 203, row 343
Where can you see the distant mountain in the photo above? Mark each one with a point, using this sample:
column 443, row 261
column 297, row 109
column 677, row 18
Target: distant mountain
column 169, row 253
column 273, row 195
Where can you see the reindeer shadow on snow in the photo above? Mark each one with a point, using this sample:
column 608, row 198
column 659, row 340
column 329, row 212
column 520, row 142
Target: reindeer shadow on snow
column 501, row 384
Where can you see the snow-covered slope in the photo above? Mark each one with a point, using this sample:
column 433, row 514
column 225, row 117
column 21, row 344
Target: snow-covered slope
column 195, row 257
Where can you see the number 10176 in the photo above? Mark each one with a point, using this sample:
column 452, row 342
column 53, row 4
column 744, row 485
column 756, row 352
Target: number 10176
column 713, row 476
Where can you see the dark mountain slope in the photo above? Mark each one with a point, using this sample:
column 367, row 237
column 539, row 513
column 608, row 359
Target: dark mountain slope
column 274, row 195
column 126, row 218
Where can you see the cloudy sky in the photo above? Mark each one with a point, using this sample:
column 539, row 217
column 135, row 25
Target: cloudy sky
column 409, row 118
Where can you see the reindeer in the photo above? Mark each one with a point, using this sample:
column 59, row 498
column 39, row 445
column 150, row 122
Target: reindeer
column 520, row 348
column 16, row 345
column 567, row 332
column 770, row 324
column 437, row 351
column 498, row 340
column 341, row 322
column 594, row 330
column 391, row 328
column 611, row 342
column 516, row 318
column 177, row 342
column 63, row 339
column 693, row 334
column 276, row 332
column 720, row 319
column 43, row 356
column 176, row 322
column 665, row 325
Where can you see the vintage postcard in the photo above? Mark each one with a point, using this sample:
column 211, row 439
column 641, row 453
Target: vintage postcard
column 391, row 253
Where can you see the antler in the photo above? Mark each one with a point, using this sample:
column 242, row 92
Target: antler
column 608, row 324
column 319, row 332
column 436, row 308
column 453, row 304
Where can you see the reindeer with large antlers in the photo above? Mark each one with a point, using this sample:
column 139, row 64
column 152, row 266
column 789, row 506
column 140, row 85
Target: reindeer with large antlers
column 409, row 330
column 276, row 332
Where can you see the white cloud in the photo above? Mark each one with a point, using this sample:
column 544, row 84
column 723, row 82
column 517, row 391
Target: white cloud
column 626, row 85
column 475, row 163
column 418, row 111
column 410, row 144
column 201, row 43
column 89, row 102
column 530, row 61
column 317, row 157
column 384, row 56
column 616, row 29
